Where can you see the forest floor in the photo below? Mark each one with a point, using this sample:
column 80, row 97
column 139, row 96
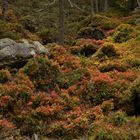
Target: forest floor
column 90, row 87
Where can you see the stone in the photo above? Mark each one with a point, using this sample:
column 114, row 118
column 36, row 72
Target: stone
column 12, row 52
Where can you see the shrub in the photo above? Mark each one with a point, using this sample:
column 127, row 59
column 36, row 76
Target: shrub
column 106, row 51
column 93, row 33
column 134, row 62
column 66, row 61
column 4, row 76
column 111, row 66
column 71, row 78
column 103, row 22
column 43, row 72
column 85, row 50
column 123, row 33
column 28, row 23
column 5, row 125
column 57, row 51
column 100, row 88
column 5, row 30
column 57, row 129
column 46, row 36
column 118, row 119
column 132, row 101
column 107, row 106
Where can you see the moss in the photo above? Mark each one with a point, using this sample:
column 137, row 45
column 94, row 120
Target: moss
column 130, row 100
column 111, row 66
column 91, row 32
column 5, row 30
column 118, row 119
column 106, row 51
column 103, row 22
column 99, row 91
column 84, row 50
column 46, row 35
column 123, row 33
column 71, row 78
column 28, row 23
column 135, row 62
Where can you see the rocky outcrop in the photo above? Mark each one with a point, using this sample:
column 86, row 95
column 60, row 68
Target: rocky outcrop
column 12, row 52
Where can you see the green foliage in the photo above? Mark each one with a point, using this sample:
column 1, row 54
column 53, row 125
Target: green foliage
column 106, row 51
column 46, row 35
column 29, row 24
column 113, row 66
column 71, row 78
column 5, row 30
column 105, row 23
column 123, row 33
column 118, row 119
column 86, row 89
column 133, row 98
column 42, row 72
column 84, row 50
column 91, row 32
column 5, row 76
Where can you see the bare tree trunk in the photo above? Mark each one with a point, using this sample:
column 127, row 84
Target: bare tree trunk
column 96, row 6
column 92, row 8
column 61, row 22
column 100, row 5
column 105, row 6
column 138, row 1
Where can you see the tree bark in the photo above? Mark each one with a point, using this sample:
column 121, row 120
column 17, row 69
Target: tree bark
column 96, row 6
column 138, row 1
column 61, row 22
column 105, row 6
column 92, row 8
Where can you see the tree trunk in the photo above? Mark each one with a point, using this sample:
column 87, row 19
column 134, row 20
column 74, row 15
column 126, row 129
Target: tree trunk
column 105, row 6
column 61, row 22
column 96, row 6
column 138, row 1
column 92, row 8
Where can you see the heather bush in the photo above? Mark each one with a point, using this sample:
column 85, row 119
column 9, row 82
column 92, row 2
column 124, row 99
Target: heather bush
column 123, row 33
column 5, row 76
column 43, row 72
column 111, row 66
column 133, row 97
column 105, row 52
column 92, row 33
column 84, row 50
column 103, row 22
column 71, row 78
column 5, row 30
column 100, row 88
column 118, row 119
column 46, row 36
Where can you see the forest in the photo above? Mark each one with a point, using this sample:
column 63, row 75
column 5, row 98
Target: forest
column 69, row 69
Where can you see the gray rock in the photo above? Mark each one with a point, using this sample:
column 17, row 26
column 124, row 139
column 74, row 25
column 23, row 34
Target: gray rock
column 12, row 52
column 40, row 48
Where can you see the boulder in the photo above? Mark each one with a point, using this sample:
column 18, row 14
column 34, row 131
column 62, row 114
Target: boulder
column 12, row 52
